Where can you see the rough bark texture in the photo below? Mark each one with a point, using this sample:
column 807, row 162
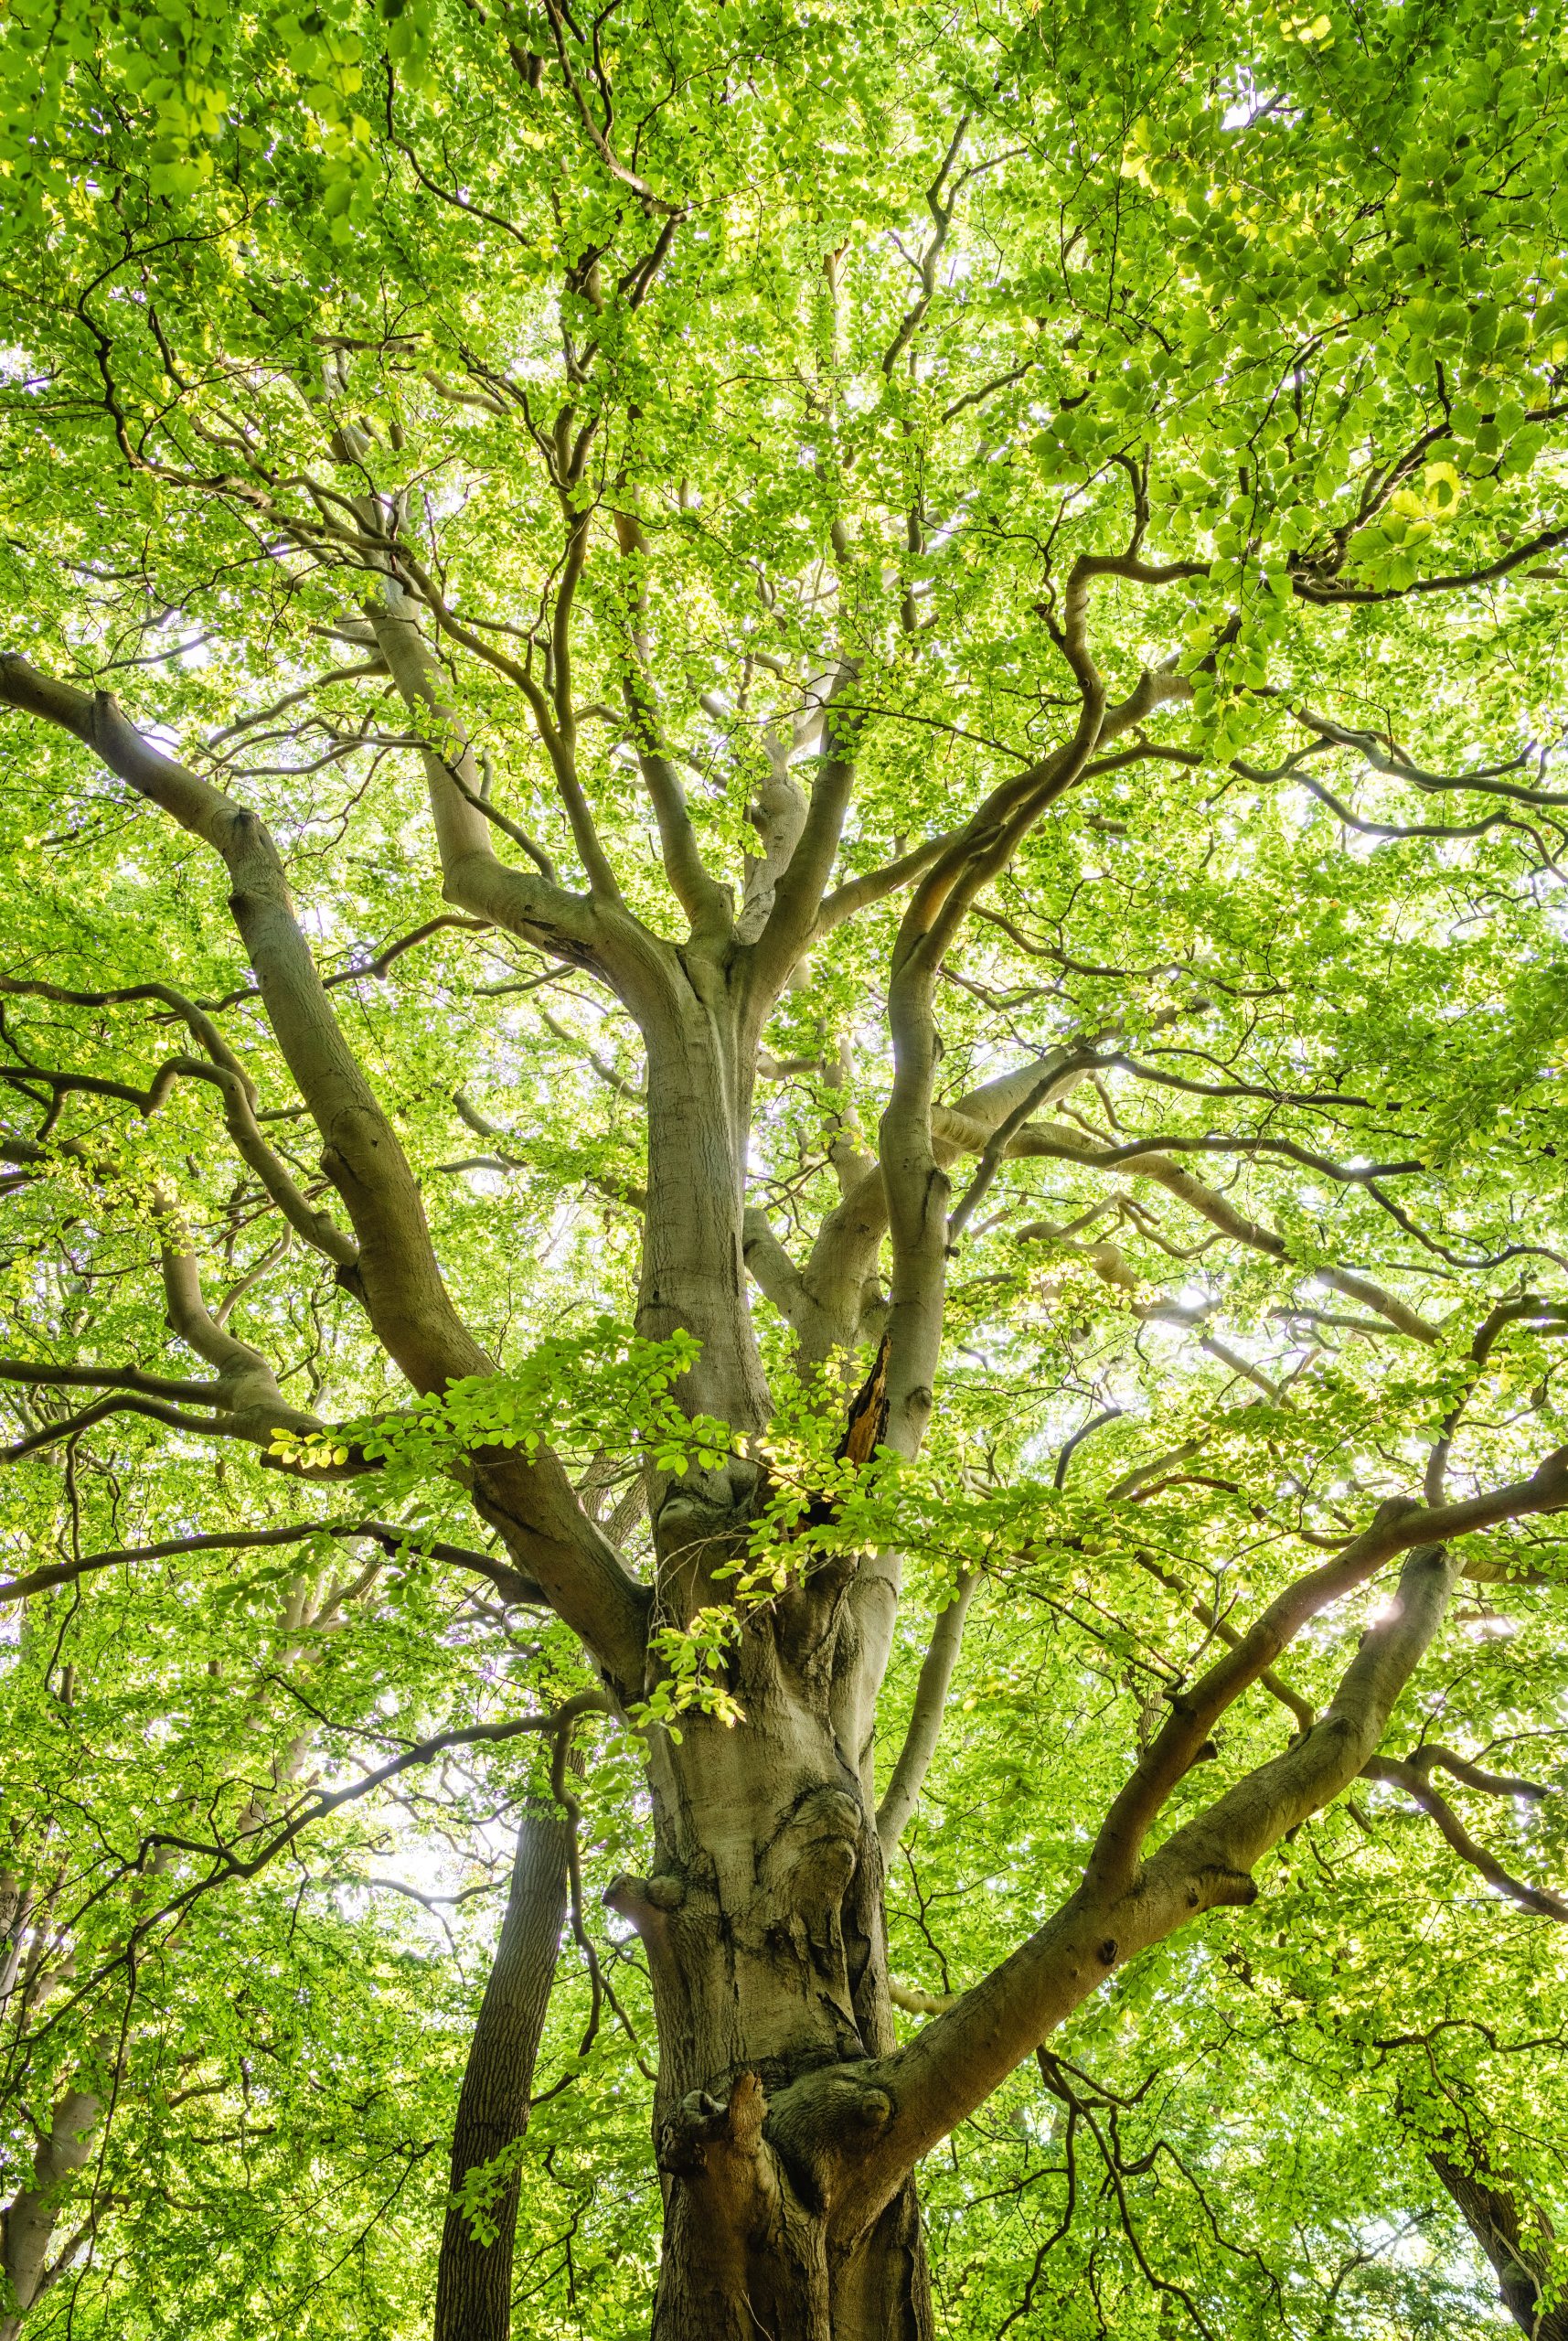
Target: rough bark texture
column 762, row 1915
column 1521, row 2258
column 1514, row 2233
column 762, row 1921
column 473, row 2284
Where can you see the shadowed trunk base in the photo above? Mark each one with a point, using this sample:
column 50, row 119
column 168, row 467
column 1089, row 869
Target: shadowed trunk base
column 748, row 2256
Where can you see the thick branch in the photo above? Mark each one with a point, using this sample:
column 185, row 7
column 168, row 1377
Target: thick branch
column 704, row 900
column 955, row 2061
column 917, row 1192
column 858, row 894
column 799, row 891
column 40, row 1376
column 397, row 1274
column 525, row 903
column 1123, row 1906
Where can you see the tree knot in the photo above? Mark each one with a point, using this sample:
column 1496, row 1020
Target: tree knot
column 644, row 1900
column 713, row 2136
column 825, row 2120
column 1220, row 1887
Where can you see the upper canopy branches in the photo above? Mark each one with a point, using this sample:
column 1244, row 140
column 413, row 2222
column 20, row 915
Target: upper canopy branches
column 735, row 552
column 708, row 452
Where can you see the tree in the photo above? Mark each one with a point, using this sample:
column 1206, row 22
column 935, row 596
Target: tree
column 475, row 2289
column 785, row 781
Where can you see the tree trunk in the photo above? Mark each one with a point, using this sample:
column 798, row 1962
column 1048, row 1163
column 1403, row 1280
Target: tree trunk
column 763, row 1917
column 1516, row 2240
column 473, row 2282
column 1448, row 2124
column 29, row 2221
column 748, row 2258
column 762, row 1921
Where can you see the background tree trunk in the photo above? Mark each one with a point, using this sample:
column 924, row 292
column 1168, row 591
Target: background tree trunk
column 1516, row 2238
column 28, row 2223
column 1449, row 2125
column 473, row 2282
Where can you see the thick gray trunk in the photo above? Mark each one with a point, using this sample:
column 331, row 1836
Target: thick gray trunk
column 748, row 2258
column 762, row 1922
column 474, row 2284
column 763, row 1917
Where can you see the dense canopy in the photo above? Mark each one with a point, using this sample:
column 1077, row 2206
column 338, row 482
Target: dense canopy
column 784, row 1091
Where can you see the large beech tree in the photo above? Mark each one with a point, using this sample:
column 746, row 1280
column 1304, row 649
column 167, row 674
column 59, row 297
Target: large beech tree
column 784, row 793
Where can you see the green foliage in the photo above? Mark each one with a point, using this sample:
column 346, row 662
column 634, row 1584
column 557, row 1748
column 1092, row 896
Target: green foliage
column 575, row 1393
column 1280, row 295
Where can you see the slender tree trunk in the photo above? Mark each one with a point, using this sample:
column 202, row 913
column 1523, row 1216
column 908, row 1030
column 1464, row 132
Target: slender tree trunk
column 473, row 2282
column 29, row 2221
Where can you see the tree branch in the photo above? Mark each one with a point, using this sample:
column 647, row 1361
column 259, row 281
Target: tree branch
column 1062, row 1144
column 799, row 891
column 394, row 1540
column 228, row 1076
column 1413, row 1780
column 396, row 1274
column 902, row 1791
column 527, row 905
column 706, row 902
column 1122, row 1906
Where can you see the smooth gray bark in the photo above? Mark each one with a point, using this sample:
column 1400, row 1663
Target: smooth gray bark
column 28, row 2224
column 926, row 1723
